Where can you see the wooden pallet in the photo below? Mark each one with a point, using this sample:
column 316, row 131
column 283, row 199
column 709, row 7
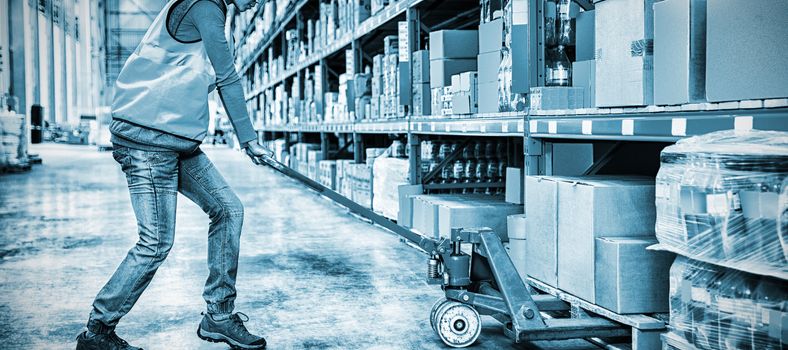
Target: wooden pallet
column 646, row 329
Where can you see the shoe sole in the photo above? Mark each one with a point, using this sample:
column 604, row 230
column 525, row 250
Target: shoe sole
column 221, row 338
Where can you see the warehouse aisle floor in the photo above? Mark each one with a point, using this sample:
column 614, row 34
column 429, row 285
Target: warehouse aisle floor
column 310, row 275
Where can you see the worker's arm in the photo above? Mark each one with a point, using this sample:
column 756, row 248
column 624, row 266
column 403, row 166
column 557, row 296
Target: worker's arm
column 209, row 20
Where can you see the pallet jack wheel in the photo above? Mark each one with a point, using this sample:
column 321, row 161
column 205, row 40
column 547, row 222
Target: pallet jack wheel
column 458, row 325
column 434, row 310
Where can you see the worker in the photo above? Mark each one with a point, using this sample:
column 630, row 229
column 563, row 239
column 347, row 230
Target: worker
column 159, row 118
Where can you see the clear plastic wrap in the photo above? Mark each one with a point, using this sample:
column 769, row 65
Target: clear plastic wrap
column 723, row 198
column 713, row 307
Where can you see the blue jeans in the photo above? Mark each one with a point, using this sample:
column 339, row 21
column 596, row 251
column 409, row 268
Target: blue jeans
column 154, row 180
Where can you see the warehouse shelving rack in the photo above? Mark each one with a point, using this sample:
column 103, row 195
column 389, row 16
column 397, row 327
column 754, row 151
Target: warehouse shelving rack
column 534, row 131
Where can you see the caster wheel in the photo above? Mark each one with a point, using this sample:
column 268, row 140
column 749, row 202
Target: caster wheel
column 434, row 310
column 458, row 325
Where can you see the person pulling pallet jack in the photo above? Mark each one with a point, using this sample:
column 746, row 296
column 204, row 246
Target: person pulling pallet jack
column 159, row 119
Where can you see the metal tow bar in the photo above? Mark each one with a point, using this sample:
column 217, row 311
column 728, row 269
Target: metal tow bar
column 484, row 282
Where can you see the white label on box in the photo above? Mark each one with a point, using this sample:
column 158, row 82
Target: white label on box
column 586, row 127
column 552, row 127
column 742, row 123
column 404, row 50
column 520, row 126
column 717, row 203
column 678, row 127
column 628, row 127
column 533, row 126
column 662, row 190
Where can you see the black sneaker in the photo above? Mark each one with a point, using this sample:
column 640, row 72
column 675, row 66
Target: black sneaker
column 109, row 341
column 230, row 331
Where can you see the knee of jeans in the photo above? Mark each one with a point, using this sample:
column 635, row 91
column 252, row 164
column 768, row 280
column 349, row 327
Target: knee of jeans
column 233, row 207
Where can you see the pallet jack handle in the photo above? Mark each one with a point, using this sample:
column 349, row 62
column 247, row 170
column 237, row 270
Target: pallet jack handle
column 428, row 245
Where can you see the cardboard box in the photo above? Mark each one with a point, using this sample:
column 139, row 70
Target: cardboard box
column 746, row 50
column 421, row 99
column 522, row 76
column 453, row 44
column 556, row 97
column 421, row 67
column 514, row 186
column 406, row 194
column 679, row 51
column 595, row 206
column 467, row 213
column 541, row 228
column 517, row 248
column 441, row 70
column 488, row 97
column 515, row 225
column 491, row 36
column 584, row 36
column 629, row 278
column 584, row 76
column 624, row 53
column 488, row 63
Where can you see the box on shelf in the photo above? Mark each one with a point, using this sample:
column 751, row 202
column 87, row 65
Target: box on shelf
column 488, row 63
column 514, row 186
column 441, row 70
column 491, row 36
column 630, row 279
column 465, row 98
column 452, row 43
column 488, row 97
column 388, row 175
column 584, row 76
column 422, row 103
column 624, row 53
column 584, row 36
column 679, row 51
column 406, row 194
column 541, row 229
column 557, row 97
column 421, row 66
column 746, row 37
column 374, row 153
column 313, row 157
column 328, row 173
column 515, row 225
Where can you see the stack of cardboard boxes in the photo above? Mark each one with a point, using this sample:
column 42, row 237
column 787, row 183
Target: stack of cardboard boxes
column 489, row 60
column 451, row 52
column 588, row 236
column 422, row 103
column 464, row 93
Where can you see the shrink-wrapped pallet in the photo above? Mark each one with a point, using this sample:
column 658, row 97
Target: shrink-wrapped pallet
column 723, row 198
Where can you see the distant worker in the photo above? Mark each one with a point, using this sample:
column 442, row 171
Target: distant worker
column 159, row 119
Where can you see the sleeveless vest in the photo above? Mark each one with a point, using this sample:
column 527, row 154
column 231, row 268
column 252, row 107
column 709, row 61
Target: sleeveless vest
column 164, row 84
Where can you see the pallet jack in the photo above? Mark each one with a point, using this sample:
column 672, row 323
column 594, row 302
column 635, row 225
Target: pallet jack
column 484, row 282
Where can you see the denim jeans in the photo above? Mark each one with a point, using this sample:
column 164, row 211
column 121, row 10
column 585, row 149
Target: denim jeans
column 154, row 180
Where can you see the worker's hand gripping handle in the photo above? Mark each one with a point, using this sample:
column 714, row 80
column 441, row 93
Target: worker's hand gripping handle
column 258, row 153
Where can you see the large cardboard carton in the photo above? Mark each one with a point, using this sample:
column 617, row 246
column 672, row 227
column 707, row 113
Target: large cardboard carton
column 679, row 51
column 541, row 228
column 491, row 36
column 624, row 53
column 454, row 44
column 595, row 206
column 441, row 70
column 406, row 194
column 516, row 227
column 745, row 49
column 489, row 62
column 514, row 185
column 629, row 278
column 584, row 36
column 467, row 214
column 584, row 76
column 488, row 97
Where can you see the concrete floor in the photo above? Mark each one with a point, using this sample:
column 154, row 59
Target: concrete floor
column 310, row 275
